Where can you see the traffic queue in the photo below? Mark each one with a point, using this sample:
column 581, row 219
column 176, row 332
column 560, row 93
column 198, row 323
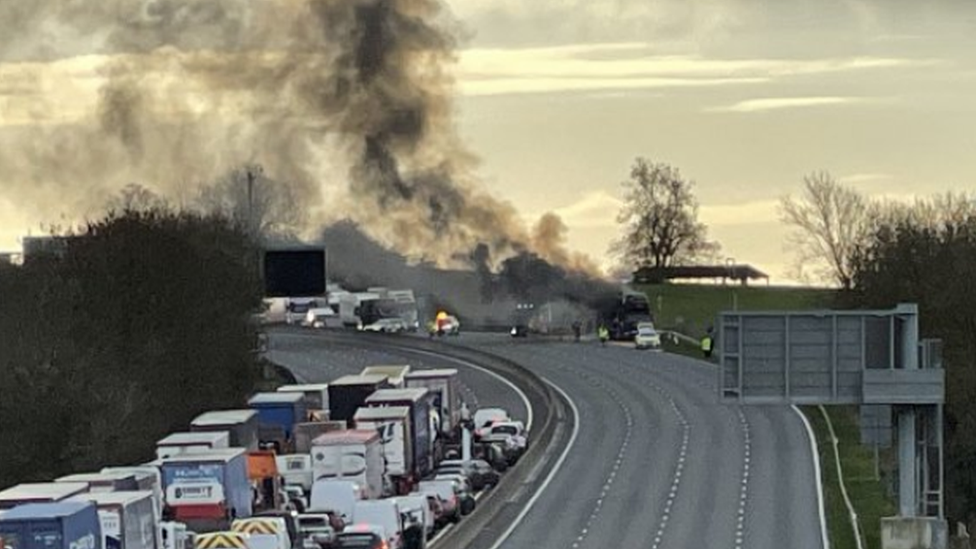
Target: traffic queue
column 382, row 459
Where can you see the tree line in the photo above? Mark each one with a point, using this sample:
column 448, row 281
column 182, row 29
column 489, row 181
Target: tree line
column 137, row 324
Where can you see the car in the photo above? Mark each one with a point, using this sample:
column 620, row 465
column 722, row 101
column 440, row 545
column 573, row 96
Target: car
column 519, row 330
column 462, row 488
column 479, row 472
column 647, row 337
column 447, row 496
column 484, row 417
column 318, row 317
column 361, row 536
column 515, row 429
column 387, row 326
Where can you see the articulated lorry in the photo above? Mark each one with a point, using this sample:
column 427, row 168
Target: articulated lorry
column 348, row 393
column 40, row 492
column 354, row 455
column 279, row 412
column 243, row 426
column 61, row 525
column 446, row 387
column 128, row 519
column 183, row 443
column 207, row 490
column 114, row 481
column 422, row 424
column 393, row 425
column 316, row 397
column 395, row 375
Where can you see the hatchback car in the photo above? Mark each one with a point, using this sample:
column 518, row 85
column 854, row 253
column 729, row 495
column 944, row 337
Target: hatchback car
column 647, row 337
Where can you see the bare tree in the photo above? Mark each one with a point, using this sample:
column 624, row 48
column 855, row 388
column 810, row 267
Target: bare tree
column 136, row 198
column 260, row 204
column 659, row 218
column 829, row 222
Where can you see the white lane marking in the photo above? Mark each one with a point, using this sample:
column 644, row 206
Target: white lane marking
column 816, row 473
column 552, row 472
column 525, row 399
column 440, row 534
column 744, row 487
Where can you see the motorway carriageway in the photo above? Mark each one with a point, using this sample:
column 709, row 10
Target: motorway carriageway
column 656, row 461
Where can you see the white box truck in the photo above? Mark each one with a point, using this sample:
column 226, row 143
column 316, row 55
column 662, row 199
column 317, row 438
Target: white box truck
column 446, row 385
column 128, row 518
column 182, row 443
column 352, row 454
column 393, row 425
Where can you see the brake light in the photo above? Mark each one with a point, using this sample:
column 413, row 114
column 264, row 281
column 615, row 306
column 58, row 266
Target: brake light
column 384, row 545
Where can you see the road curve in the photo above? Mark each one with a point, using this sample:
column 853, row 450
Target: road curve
column 659, row 463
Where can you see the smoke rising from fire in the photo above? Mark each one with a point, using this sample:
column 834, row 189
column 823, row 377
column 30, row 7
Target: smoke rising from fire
column 346, row 101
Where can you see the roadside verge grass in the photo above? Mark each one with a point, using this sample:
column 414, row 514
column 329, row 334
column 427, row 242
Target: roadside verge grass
column 868, row 495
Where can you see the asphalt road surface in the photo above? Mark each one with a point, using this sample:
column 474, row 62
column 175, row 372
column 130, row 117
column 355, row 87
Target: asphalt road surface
column 657, row 462
column 316, row 358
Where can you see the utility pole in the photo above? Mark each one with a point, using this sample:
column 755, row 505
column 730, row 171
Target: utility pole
column 250, row 202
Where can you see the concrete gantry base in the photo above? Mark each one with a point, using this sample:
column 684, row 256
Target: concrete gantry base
column 914, row 533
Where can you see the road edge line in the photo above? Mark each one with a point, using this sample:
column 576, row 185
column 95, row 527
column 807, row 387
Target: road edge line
column 819, row 479
column 552, row 472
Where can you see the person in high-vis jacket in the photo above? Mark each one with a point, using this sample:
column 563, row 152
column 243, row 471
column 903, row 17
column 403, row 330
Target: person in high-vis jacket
column 706, row 345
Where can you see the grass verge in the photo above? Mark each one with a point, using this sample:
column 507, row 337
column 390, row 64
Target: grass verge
column 691, row 308
column 867, row 493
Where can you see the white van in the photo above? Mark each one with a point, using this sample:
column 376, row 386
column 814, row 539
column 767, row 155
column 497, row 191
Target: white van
column 384, row 513
column 417, row 506
column 338, row 496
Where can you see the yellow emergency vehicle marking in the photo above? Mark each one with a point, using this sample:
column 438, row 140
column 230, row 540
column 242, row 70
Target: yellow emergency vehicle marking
column 221, row 540
column 256, row 526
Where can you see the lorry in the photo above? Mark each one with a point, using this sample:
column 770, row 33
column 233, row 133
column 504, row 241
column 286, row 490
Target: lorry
column 206, row 490
column 446, row 386
column 115, row 481
column 396, row 375
column 393, row 425
column 181, row 443
column 305, row 433
column 128, row 519
column 40, row 492
column 422, row 424
column 241, row 424
column 262, row 471
column 348, row 393
column 60, row 525
column 353, row 454
column 280, row 410
column 316, row 396
column 296, row 469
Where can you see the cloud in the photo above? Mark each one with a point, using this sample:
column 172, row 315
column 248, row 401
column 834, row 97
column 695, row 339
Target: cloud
column 865, row 177
column 634, row 65
column 748, row 213
column 781, row 103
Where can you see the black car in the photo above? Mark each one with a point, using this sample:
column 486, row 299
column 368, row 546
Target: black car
column 519, row 330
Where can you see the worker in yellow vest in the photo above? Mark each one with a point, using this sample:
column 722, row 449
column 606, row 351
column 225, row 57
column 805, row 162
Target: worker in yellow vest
column 706, row 345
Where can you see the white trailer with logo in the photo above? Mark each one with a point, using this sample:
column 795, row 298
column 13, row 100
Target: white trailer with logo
column 446, row 386
column 128, row 518
column 393, row 425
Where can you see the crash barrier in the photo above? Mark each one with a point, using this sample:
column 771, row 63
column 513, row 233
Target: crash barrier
column 549, row 409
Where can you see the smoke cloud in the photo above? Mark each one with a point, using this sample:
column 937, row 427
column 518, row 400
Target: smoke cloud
column 347, row 102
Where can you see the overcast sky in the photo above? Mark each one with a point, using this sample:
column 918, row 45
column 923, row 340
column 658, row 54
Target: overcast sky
column 557, row 97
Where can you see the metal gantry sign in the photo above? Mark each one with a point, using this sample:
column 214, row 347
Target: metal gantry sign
column 847, row 357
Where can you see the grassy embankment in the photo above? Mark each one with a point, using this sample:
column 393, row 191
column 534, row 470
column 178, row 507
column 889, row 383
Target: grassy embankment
column 867, row 492
column 691, row 309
